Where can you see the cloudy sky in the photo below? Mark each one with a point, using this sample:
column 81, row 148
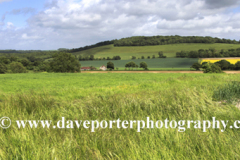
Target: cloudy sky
column 53, row 24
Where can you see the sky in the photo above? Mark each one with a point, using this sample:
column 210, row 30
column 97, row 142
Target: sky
column 53, row 24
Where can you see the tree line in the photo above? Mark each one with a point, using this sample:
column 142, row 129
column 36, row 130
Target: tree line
column 110, row 65
column 91, row 46
column 163, row 40
column 217, row 66
column 209, row 53
column 61, row 62
column 91, row 58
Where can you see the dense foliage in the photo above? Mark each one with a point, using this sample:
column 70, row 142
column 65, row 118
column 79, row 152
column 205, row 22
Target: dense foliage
column 196, row 66
column 64, row 62
column 211, row 68
column 92, row 46
column 131, row 65
column 162, row 40
column 110, row 65
column 3, row 68
column 31, row 55
column 17, row 67
column 91, row 58
column 143, row 65
column 223, row 65
column 209, row 53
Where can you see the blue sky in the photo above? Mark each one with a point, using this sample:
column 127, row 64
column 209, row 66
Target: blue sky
column 53, row 24
column 19, row 19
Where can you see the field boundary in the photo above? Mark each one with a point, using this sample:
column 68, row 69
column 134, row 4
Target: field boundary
column 228, row 72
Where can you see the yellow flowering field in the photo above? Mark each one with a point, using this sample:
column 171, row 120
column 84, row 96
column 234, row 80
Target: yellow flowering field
column 213, row 60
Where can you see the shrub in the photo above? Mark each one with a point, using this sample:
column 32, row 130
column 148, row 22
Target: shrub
column 196, row 66
column 17, row 67
column 211, row 68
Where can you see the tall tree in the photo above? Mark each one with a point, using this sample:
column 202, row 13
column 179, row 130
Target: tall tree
column 64, row 62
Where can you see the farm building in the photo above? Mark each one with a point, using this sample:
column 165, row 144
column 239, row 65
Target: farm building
column 104, row 68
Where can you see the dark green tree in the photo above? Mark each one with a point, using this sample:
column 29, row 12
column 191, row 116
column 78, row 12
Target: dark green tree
column 25, row 62
column 110, row 65
column 91, row 57
column 143, row 65
column 64, row 62
column 17, row 67
column 196, row 66
column 237, row 65
column 160, row 54
column 130, row 64
column 223, row 64
column 211, row 68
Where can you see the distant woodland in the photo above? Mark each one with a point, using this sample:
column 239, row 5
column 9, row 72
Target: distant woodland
column 163, row 40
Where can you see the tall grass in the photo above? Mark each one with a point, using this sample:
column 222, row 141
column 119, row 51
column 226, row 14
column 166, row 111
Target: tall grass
column 229, row 92
column 179, row 97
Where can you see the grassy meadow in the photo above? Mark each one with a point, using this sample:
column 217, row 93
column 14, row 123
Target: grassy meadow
column 169, row 50
column 86, row 96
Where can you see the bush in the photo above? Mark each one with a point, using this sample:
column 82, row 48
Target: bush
column 196, row 66
column 64, row 62
column 17, row 67
column 211, row 68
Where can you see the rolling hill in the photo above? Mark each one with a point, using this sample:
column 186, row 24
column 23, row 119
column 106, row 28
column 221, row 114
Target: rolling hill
column 126, row 52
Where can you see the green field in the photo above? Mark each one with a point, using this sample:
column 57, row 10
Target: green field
column 138, row 51
column 152, row 63
column 112, row 96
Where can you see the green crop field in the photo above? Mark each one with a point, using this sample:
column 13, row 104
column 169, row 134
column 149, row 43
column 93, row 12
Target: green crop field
column 112, row 96
column 152, row 63
column 138, row 51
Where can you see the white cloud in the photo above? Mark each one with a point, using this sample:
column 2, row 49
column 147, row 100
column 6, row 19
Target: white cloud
column 72, row 23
